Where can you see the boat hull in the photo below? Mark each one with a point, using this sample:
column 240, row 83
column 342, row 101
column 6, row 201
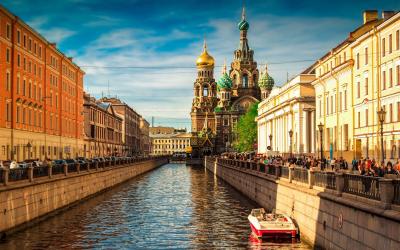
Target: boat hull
column 273, row 232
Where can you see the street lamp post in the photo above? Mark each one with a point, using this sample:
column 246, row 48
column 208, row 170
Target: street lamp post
column 381, row 115
column 291, row 142
column 270, row 141
column 321, row 128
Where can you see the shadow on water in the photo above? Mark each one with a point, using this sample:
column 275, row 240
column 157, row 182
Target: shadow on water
column 173, row 207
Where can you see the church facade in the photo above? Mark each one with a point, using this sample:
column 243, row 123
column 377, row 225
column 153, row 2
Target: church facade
column 218, row 105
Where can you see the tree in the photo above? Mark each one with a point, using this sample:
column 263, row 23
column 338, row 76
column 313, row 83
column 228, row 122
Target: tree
column 246, row 130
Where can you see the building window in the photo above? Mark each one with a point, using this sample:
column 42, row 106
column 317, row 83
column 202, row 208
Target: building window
column 18, row 87
column 358, row 60
column 18, row 36
column 390, row 112
column 19, row 60
column 390, row 77
column 398, row 39
column 390, row 43
column 18, row 114
column 383, row 47
column 366, row 55
column 8, row 34
column 358, row 89
column 398, row 74
column 8, row 81
column 8, row 56
column 327, row 105
column 366, row 117
column 383, row 80
column 24, row 87
column 245, row 81
column 340, row 102
column 8, row 111
column 398, row 111
column 345, row 99
column 366, row 86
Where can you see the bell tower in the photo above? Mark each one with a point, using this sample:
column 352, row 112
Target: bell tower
column 244, row 72
column 205, row 93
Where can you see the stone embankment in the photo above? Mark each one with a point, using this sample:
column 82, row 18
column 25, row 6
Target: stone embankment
column 32, row 194
column 333, row 210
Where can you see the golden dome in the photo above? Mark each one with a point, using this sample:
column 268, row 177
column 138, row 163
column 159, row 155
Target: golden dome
column 205, row 59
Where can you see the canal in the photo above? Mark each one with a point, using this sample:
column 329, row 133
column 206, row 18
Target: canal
column 173, row 207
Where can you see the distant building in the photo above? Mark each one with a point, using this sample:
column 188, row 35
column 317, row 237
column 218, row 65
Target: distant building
column 218, row 105
column 354, row 80
column 290, row 107
column 168, row 140
column 103, row 129
column 41, row 95
column 145, row 142
column 130, row 125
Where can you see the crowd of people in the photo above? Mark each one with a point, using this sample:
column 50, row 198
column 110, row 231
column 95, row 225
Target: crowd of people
column 367, row 167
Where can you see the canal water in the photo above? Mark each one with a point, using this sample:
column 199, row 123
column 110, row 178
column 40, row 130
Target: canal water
column 173, row 207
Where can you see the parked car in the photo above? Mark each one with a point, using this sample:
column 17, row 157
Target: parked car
column 70, row 161
column 10, row 164
column 24, row 164
column 83, row 163
column 58, row 162
column 34, row 162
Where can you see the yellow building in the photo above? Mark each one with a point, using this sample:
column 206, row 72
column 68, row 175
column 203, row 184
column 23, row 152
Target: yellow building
column 353, row 81
column 163, row 144
column 290, row 107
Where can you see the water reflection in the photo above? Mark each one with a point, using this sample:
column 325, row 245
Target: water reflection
column 174, row 207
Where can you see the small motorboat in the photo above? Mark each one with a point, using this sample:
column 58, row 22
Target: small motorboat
column 272, row 224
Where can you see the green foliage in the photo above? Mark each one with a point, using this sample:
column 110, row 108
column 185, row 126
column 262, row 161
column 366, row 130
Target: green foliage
column 246, row 130
column 217, row 110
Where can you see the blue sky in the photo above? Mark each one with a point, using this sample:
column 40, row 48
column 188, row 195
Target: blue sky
column 167, row 36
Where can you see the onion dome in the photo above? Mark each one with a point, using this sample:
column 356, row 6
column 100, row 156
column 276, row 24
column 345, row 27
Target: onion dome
column 225, row 82
column 243, row 24
column 266, row 81
column 205, row 59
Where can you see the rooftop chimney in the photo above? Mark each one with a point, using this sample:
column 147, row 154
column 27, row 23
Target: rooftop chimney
column 387, row 14
column 370, row 15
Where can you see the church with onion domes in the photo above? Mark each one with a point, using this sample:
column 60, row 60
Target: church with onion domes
column 218, row 105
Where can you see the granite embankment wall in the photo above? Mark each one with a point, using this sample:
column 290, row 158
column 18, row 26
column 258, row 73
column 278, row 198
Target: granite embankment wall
column 327, row 218
column 25, row 202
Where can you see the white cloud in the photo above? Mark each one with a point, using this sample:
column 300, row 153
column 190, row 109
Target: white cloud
column 168, row 92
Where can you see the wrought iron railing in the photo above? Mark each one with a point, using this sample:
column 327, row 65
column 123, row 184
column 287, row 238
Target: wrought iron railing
column 40, row 171
column 57, row 169
column 285, row 172
column 72, row 168
column 271, row 169
column 300, row 175
column 1, row 175
column 365, row 186
column 17, row 174
column 396, row 186
column 325, row 180
column 262, row 167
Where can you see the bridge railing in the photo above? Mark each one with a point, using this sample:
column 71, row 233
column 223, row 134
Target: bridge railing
column 325, row 180
column 384, row 190
column 365, row 186
column 300, row 175
column 8, row 176
column 396, row 196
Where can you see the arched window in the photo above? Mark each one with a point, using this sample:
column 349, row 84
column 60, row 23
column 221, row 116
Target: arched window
column 205, row 90
column 245, row 81
column 254, row 80
column 197, row 91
